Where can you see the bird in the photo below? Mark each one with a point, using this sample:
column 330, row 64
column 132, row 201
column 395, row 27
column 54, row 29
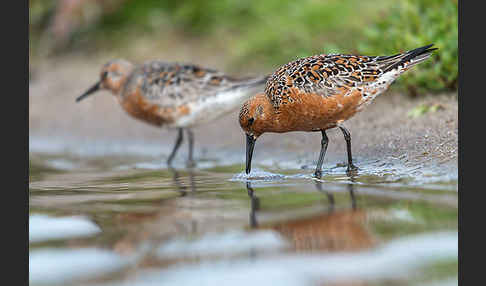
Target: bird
column 174, row 95
column 320, row 92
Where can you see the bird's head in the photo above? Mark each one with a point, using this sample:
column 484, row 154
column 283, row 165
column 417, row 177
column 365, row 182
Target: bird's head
column 256, row 117
column 113, row 76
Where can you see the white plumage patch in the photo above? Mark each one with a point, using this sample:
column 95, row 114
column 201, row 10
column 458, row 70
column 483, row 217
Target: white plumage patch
column 210, row 108
column 378, row 87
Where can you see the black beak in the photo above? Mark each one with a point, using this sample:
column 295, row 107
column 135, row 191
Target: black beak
column 89, row 91
column 250, row 143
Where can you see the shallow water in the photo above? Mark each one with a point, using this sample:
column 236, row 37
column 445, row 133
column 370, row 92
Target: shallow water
column 105, row 216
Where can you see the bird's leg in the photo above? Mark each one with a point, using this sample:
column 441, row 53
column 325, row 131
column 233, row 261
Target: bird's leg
column 176, row 146
column 324, row 142
column 347, row 137
column 190, row 136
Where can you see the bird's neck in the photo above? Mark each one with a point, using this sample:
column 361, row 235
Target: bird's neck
column 267, row 115
column 118, row 87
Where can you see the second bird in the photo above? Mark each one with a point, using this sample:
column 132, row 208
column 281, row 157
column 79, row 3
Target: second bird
column 173, row 95
column 320, row 92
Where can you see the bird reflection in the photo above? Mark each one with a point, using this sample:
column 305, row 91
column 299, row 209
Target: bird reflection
column 333, row 230
column 177, row 181
column 182, row 189
column 330, row 196
column 254, row 205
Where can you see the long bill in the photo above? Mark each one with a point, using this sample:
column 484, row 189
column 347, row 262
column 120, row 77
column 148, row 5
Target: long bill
column 89, row 91
column 250, row 143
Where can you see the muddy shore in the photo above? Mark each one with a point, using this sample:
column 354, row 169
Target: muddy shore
column 382, row 131
column 94, row 166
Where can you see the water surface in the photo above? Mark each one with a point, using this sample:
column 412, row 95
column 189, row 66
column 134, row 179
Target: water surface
column 124, row 218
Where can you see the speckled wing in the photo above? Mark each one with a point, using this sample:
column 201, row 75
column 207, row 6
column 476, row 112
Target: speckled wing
column 325, row 75
column 328, row 75
column 174, row 84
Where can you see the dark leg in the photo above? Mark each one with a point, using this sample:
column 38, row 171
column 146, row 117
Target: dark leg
column 347, row 137
column 190, row 136
column 176, row 146
column 324, row 142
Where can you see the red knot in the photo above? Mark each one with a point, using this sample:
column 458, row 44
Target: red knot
column 174, row 95
column 319, row 93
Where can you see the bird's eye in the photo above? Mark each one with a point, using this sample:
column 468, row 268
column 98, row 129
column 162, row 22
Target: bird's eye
column 250, row 121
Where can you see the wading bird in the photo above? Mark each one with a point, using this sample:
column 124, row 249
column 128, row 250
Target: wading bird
column 319, row 93
column 173, row 95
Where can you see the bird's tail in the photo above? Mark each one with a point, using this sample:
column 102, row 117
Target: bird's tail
column 405, row 60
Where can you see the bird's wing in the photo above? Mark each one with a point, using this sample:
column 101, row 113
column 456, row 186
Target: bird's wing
column 173, row 84
column 328, row 75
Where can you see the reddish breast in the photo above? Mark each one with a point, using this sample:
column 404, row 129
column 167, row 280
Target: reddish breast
column 137, row 106
column 310, row 111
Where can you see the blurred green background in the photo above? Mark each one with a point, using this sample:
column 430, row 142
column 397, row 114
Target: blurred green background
column 256, row 35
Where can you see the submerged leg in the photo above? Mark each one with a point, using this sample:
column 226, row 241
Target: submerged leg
column 176, row 146
column 324, row 142
column 347, row 137
column 190, row 136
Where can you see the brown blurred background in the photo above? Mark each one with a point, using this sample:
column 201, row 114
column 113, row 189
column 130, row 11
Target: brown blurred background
column 71, row 39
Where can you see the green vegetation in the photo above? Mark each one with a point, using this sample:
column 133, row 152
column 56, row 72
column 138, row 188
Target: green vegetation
column 423, row 109
column 414, row 23
column 267, row 34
